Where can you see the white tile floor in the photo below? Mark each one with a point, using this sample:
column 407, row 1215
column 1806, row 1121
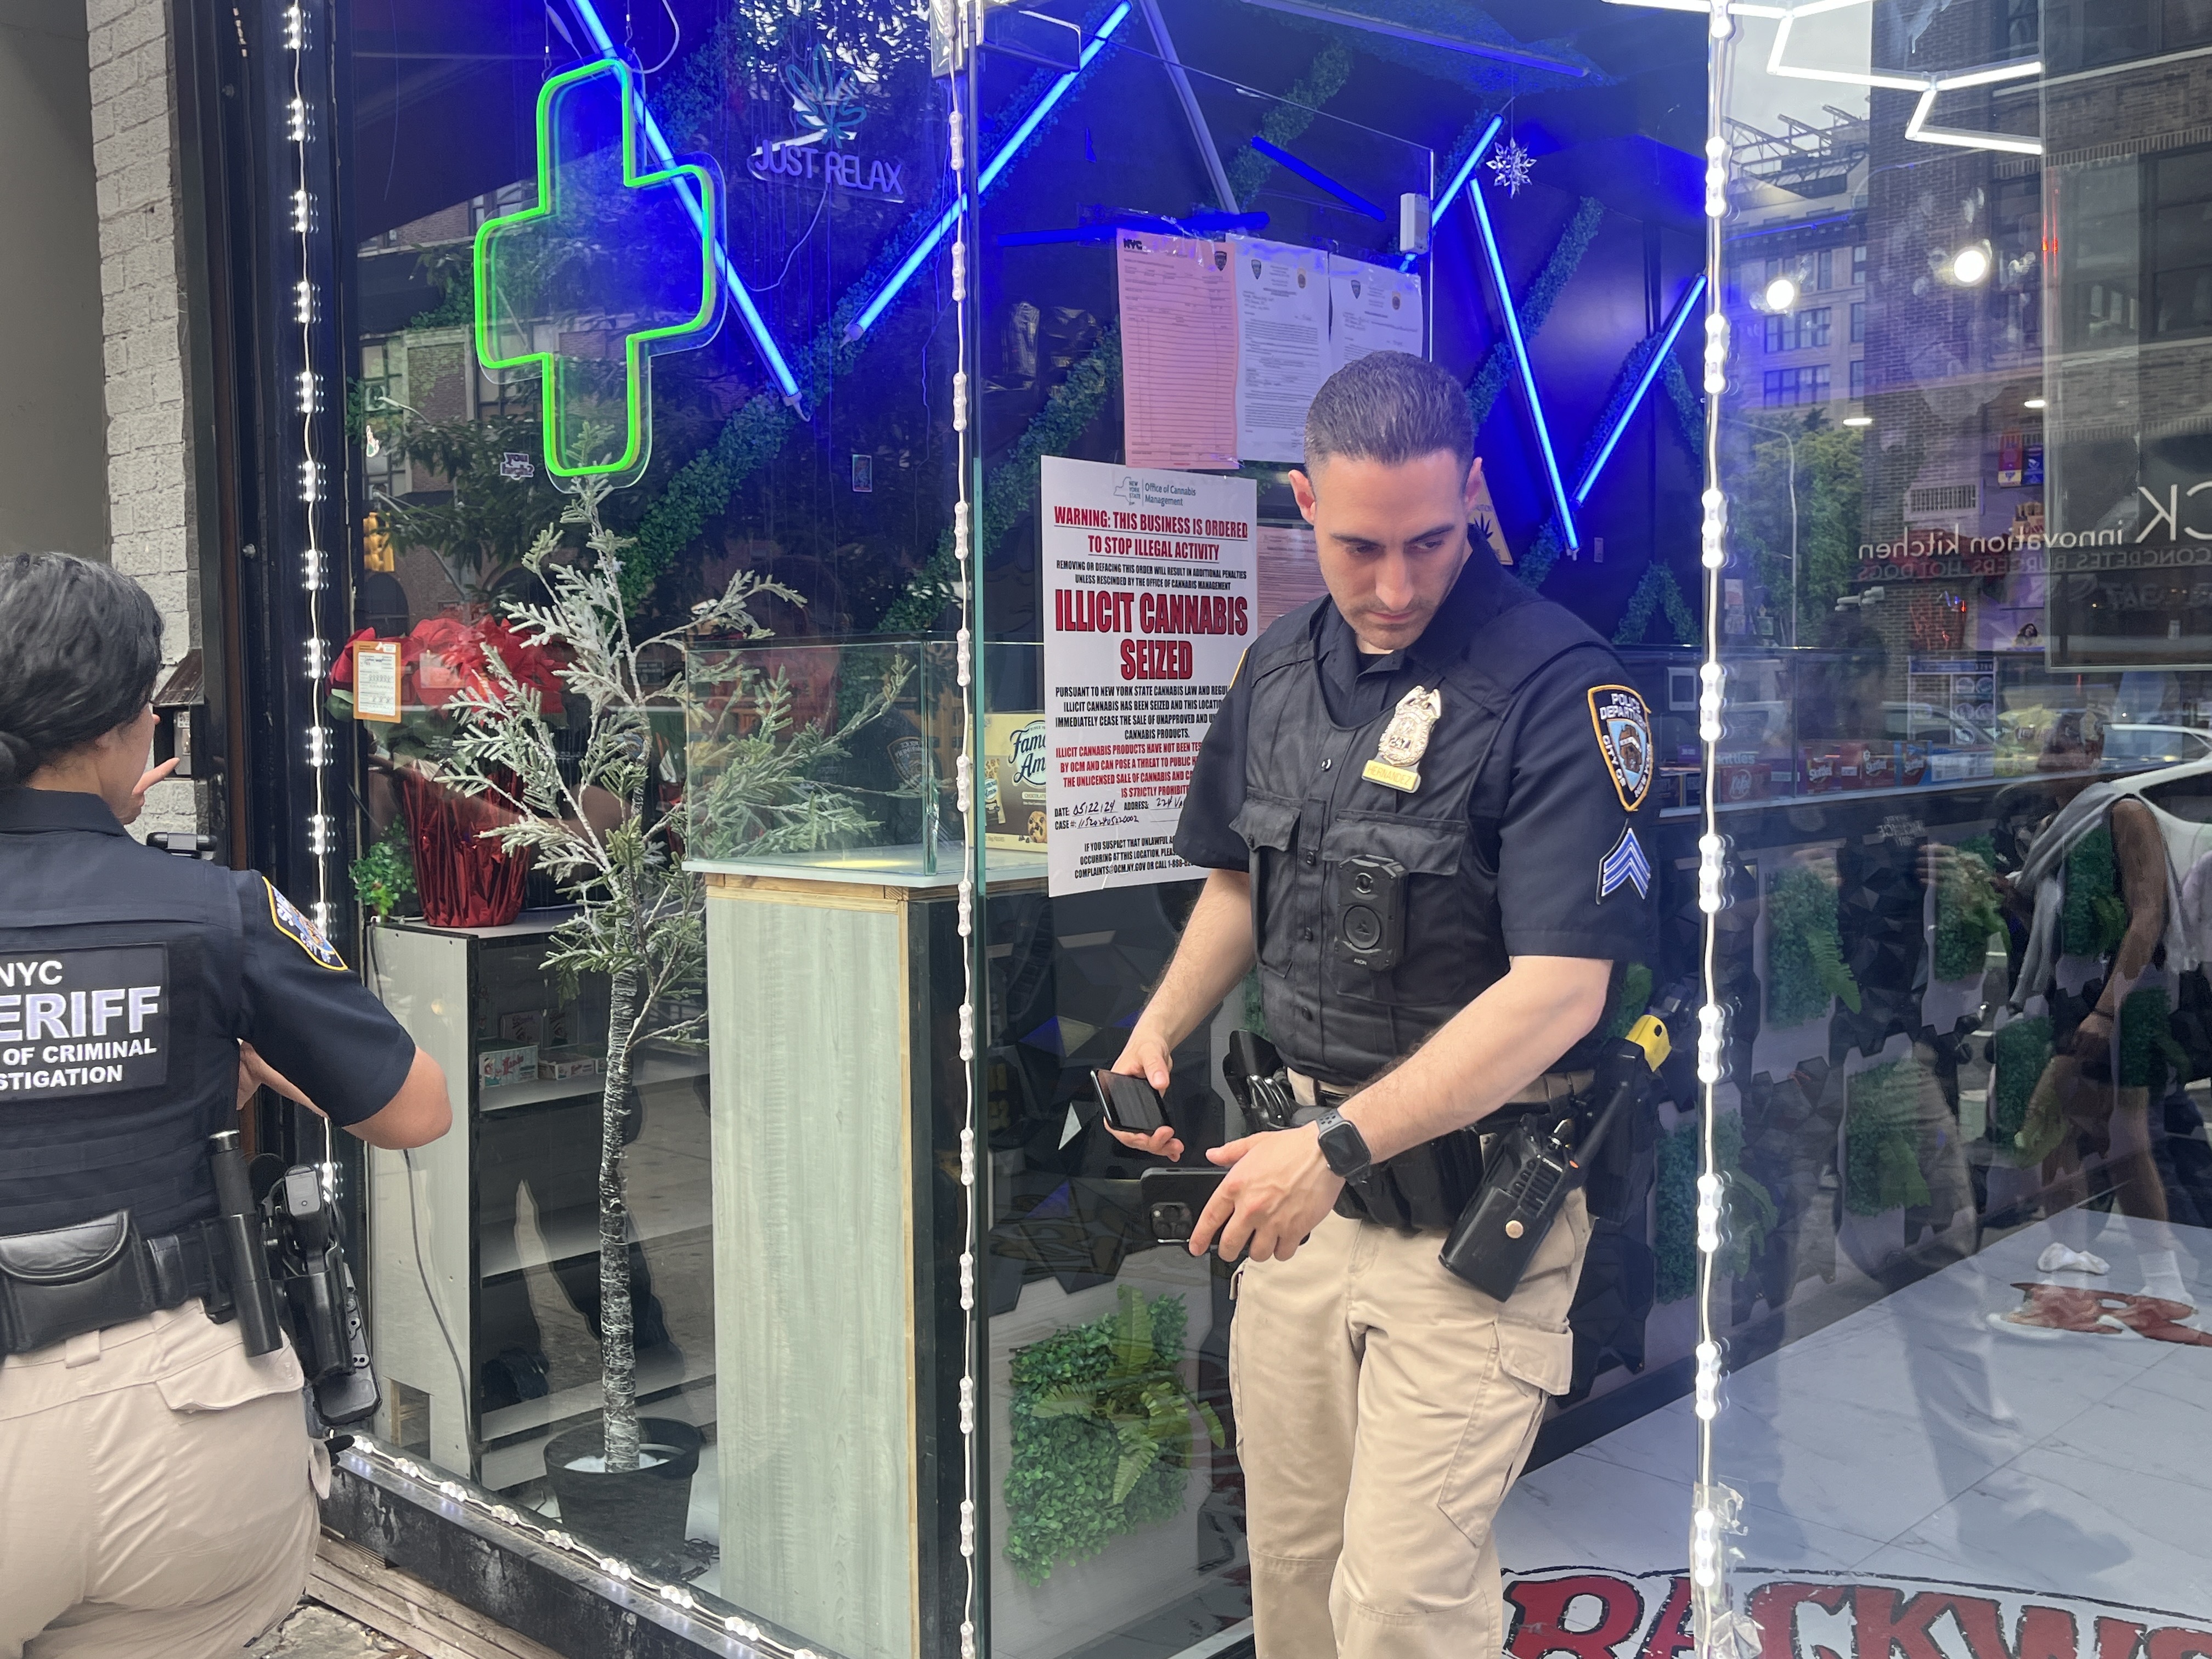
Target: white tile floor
column 1911, row 1439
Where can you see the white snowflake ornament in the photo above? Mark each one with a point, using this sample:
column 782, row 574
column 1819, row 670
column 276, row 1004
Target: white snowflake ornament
column 1512, row 166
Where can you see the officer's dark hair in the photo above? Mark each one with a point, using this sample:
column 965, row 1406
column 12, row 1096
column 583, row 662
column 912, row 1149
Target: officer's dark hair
column 1391, row 407
column 80, row 649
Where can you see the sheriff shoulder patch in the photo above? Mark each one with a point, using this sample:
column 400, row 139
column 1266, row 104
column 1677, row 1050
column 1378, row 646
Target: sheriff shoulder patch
column 293, row 923
column 1623, row 724
column 1625, row 866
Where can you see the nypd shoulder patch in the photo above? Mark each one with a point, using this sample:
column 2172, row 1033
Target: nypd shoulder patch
column 293, row 923
column 1623, row 724
column 1625, row 866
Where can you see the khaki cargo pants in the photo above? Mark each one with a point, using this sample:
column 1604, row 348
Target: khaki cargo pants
column 1383, row 1409
column 157, row 1493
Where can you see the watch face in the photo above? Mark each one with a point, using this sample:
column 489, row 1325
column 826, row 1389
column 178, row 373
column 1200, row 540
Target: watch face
column 1342, row 1145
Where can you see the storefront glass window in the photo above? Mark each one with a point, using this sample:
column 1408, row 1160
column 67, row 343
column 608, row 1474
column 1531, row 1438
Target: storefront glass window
column 1157, row 295
column 678, row 215
column 1953, row 1161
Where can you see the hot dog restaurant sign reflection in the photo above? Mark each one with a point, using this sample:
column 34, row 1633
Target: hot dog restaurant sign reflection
column 1587, row 1613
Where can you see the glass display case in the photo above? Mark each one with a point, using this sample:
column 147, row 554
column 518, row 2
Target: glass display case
column 845, row 756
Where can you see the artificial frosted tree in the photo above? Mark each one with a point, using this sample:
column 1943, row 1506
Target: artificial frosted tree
column 640, row 916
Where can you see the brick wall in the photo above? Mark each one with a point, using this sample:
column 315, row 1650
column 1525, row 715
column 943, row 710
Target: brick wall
column 150, row 506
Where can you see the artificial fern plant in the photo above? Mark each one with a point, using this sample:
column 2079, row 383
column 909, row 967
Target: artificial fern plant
column 1101, row 1432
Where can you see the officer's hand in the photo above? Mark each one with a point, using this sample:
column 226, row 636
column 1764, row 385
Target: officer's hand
column 1147, row 1057
column 1278, row 1188
column 146, row 781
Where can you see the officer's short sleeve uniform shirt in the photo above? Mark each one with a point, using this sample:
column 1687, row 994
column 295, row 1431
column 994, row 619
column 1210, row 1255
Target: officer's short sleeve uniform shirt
column 307, row 1014
column 1557, row 813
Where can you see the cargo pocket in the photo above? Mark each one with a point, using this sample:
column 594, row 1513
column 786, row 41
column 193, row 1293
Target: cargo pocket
column 216, row 1375
column 1532, row 1366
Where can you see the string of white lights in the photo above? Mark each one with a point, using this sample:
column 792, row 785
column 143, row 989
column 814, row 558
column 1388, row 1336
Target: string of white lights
column 314, row 570
column 969, row 29
column 1710, row 1599
column 314, row 565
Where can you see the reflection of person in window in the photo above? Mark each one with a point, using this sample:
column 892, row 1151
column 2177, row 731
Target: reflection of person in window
column 2103, row 1120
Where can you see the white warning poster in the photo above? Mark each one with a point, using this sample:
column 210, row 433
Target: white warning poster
column 1152, row 601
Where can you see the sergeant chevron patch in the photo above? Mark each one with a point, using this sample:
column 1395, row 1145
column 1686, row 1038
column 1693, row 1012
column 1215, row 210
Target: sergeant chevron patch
column 1625, row 864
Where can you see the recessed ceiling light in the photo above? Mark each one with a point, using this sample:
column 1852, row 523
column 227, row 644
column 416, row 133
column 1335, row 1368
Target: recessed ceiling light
column 1781, row 294
column 2035, row 403
column 1858, row 420
column 1970, row 266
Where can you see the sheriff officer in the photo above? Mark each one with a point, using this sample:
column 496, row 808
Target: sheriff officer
column 158, row 1482
column 1419, row 806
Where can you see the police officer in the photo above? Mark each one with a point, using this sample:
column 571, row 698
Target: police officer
column 159, row 1483
column 1417, row 803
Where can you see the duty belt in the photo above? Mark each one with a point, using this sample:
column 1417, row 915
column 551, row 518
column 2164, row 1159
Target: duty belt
column 1552, row 1087
column 1427, row 1186
column 68, row 1280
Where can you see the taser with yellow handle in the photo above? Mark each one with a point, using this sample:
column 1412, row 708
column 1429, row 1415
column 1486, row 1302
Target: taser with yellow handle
column 1535, row 1168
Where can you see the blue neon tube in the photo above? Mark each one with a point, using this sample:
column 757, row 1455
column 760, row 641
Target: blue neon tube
column 1666, row 339
column 755, row 323
column 1320, row 180
column 1520, row 358
column 1467, row 167
column 927, row 246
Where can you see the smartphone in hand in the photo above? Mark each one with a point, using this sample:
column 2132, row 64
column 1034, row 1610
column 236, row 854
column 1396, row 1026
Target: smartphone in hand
column 1131, row 1104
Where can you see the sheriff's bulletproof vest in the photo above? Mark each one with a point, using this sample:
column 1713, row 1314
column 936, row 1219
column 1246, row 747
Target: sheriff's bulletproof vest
column 120, row 975
column 1307, row 810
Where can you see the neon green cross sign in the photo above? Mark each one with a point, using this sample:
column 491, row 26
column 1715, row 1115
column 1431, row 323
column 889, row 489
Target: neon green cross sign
column 612, row 268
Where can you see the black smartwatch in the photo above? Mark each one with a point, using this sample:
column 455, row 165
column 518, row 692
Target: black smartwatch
column 1343, row 1145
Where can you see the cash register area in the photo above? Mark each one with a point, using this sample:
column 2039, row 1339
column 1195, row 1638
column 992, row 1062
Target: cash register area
column 1842, row 363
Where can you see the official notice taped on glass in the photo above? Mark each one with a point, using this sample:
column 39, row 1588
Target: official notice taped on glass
column 1152, row 605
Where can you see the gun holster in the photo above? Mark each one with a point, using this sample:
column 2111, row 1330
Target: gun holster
column 318, row 1305
column 1425, row 1186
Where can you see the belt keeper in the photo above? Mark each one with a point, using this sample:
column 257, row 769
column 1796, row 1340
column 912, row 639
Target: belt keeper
column 170, row 1280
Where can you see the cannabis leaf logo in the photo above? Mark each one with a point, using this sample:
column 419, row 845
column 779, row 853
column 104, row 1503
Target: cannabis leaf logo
column 825, row 103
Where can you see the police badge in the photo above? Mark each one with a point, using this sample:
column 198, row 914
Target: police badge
column 1397, row 758
column 1623, row 724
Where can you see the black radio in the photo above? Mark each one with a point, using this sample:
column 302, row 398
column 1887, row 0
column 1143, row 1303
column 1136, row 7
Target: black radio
column 1529, row 1173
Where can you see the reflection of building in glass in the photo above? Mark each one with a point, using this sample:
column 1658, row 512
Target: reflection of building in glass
column 1801, row 221
column 2127, row 173
column 1954, row 460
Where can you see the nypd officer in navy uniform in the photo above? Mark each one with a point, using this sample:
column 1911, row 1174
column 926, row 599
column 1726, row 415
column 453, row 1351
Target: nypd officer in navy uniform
column 1419, row 803
column 156, row 1483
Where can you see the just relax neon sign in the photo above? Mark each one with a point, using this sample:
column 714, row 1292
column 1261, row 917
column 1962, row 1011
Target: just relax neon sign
column 826, row 111
column 860, row 175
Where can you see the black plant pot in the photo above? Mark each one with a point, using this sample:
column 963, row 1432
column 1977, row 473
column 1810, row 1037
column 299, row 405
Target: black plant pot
column 635, row 1513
